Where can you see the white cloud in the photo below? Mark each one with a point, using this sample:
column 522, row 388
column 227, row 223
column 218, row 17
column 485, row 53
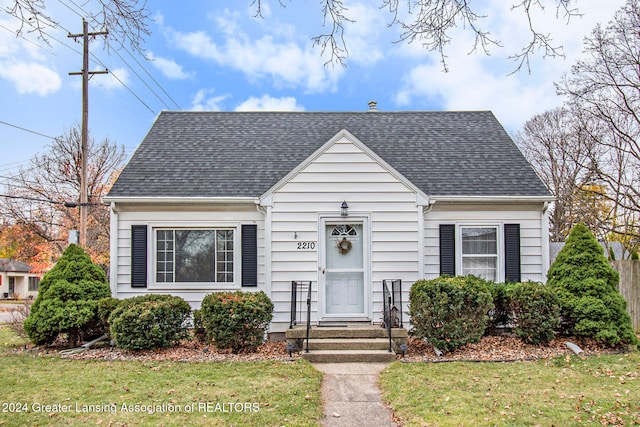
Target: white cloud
column 469, row 86
column 23, row 63
column 30, row 77
column 284, row 61
column 267, row 103
column 169, row 68
column 363, row 35
column 204, row 101
column 479, row 82
column 115, row 79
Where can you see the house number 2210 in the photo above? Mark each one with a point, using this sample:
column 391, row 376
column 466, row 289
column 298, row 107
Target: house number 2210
column 306, row 246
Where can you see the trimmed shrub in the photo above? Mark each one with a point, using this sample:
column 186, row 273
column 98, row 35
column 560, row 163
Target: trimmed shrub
column 67, row 300
column 536, row 312
column 237, row 320
column 149, row 321
column 502, row 315
column 105, row 308
column 587, row 288
column 199, row 332
column 450, row 312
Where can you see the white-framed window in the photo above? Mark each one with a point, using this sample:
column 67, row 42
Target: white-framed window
column 195, row 255
column 480, row 251
column 33, row 284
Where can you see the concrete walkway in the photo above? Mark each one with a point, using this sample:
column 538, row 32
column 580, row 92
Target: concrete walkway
column 351, row 396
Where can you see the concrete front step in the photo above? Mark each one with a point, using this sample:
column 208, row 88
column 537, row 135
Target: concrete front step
column 335, row 344
column 348, row 344
column 349, row 356
column 338, row 332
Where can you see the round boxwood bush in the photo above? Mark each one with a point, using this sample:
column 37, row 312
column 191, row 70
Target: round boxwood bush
column 149, row 321
column 450, row 312
column 587, row 288
column 237, row 320
column 536, row 312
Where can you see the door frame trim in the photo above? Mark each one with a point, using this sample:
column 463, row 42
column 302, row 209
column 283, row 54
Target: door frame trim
column 332, row 219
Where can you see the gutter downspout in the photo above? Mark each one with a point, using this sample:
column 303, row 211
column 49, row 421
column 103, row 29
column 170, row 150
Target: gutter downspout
column 113, row 248
column 544, row 220
column 423, row 205
column 266, row 207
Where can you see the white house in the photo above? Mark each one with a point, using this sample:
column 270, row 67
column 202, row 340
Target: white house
column 17, row 280
column 215, row 201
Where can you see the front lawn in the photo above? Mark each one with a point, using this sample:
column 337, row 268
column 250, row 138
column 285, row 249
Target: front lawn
column 38, row 390
column 602, row 390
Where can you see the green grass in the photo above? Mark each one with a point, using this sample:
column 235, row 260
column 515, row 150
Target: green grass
column 270, row 393
column 9, row 340
column 602, row 390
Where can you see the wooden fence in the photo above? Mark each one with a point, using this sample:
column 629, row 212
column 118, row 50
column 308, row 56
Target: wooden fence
column 630, row 288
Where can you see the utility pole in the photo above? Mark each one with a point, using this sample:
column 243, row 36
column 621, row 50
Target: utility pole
column 85, row 73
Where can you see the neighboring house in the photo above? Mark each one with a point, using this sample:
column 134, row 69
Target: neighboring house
column 215, row 201
column 16, row 280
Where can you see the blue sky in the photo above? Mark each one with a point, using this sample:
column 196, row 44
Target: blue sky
column 218, row 56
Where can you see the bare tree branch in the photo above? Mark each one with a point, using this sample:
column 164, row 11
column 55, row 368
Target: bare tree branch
column 432, row 22
column 605, row 86
column 559, row 146
column 38, row 193
column 125, row 19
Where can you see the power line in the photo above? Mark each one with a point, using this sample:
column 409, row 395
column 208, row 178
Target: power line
column 141, row 79
column 33, row 199
column 154, row 80
column 71, row 9
column 27, row 40
column 90, row 16
column 129, row 89
column 27, row 130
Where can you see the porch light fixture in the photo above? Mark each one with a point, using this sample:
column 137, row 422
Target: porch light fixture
column 344, row 209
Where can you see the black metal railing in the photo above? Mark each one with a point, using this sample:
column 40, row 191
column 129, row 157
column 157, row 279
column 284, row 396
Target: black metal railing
column 300, row 293
column 395, row 291
column 396, row 301
column 386, row 304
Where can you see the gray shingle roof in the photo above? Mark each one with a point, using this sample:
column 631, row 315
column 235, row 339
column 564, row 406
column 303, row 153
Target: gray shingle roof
column 243, row 154
column 14, row 266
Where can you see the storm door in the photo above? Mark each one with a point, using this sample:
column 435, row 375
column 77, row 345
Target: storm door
column 344, row 270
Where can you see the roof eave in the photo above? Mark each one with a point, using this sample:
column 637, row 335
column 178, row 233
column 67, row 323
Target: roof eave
column 493, row 199
column 182, row 200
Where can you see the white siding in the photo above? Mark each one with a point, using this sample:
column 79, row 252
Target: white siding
column 210, row 216
column 344, row 172
column 529, row 216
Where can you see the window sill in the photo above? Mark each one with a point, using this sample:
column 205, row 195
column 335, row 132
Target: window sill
column 193, row 286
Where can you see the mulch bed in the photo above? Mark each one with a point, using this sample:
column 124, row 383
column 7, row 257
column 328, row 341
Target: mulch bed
column 504, row 349
column 489, row 349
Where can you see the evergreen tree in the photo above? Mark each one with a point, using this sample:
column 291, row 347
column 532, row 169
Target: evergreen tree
column 67, row 300
column 587, row 287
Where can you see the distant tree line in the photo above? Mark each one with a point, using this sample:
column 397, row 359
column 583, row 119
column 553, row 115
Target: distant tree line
column 588, row 150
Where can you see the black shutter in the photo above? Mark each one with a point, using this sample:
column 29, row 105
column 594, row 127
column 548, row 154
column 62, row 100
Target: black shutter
column 512, row 252
column 249, row 255
column 139, row 256
column 448, row 249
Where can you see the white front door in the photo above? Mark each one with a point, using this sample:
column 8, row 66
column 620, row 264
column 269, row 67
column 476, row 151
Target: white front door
column 344, row 270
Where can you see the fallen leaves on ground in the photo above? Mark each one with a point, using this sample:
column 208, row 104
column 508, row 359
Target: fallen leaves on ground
column 185, row 351
column 490, row 348
column 502, row 349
